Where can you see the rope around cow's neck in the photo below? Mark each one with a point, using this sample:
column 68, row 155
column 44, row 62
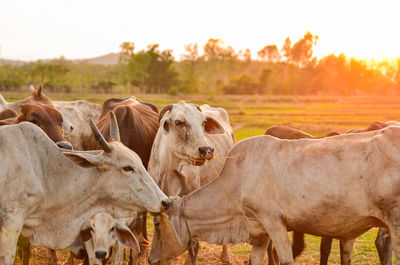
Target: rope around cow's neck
column 227, row 190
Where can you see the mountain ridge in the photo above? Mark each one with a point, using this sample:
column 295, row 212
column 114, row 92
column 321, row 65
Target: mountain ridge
column 106, row 59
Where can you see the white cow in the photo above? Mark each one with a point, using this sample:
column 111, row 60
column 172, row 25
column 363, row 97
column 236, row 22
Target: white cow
column 336, row 187
column 47, row 194
column 188, row 137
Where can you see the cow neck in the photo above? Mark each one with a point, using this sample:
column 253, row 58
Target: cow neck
column 211, row 214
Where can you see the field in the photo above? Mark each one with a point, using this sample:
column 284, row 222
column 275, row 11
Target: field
column 250, row 116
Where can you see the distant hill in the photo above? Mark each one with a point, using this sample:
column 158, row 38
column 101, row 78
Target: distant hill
column 107, row 59
column 12, row 62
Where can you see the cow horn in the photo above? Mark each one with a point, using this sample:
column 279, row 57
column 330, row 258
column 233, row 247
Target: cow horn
column 114, row 131
column 39, row 90
column 99, row 137
column 197, row 107
column 163, row 110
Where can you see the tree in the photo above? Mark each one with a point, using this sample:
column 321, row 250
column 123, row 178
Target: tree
column 301, row 52
column 269, row 53
column 190, row 68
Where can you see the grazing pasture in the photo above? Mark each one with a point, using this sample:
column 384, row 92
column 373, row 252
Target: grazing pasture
column 250, row 116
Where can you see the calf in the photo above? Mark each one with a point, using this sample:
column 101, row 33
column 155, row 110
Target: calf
column 101, row 236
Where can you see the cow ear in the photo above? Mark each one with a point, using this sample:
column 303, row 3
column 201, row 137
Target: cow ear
column 212, row 126
column 126, row 237
column 165, row 126
column 83, row 160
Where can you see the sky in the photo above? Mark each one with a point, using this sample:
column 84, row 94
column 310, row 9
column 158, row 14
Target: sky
column 43, row 29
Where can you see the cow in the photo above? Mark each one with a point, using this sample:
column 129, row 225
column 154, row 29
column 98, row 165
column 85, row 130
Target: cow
column 189, row 136
column 46, row 117
column 100, row 237
column 336, row 187
column 36, row 96
column 138, row 124
column 48, row 193
column 382, row 242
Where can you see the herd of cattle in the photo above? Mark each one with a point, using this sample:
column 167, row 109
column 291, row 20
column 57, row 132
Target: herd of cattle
column 68, row 182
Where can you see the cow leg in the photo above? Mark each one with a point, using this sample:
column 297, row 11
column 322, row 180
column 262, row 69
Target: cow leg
column 139, row 227
column 298, row 244
column 325, row 250
column 193, row 251
column 279, row 236
column 53, row 259
column 346, row 248
column 258, row 252
column 271, row 254
column 384, row 247
column 225, row 259
column 10, row 228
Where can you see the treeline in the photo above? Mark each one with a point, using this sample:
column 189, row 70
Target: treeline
column 289, row 70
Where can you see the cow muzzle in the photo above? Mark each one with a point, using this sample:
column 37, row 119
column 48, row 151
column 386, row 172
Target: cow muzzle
column 206, row 152
column 101, row 254
column 64, row 145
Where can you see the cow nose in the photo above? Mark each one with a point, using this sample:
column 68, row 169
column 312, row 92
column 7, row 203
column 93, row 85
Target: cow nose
column 206, row 150
column 165, row 204
column 100, row 254
column 64, row 144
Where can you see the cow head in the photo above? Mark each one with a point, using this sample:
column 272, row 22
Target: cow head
column 37, row 96
column 127, row 180
column 104, row 231
column 184, row 127
column 169, row 240
column 46, row 117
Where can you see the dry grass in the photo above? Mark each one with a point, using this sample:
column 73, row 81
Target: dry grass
column 251, row 115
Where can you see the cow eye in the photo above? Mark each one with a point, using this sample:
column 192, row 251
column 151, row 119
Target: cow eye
column 91, row 229
column 128, row 168
column 112, row 229
column 179, row 123
column 35, row 122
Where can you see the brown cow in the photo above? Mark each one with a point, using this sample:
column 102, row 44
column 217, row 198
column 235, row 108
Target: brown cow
column 138, row 125
column 36, row 96
column 46, row 117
